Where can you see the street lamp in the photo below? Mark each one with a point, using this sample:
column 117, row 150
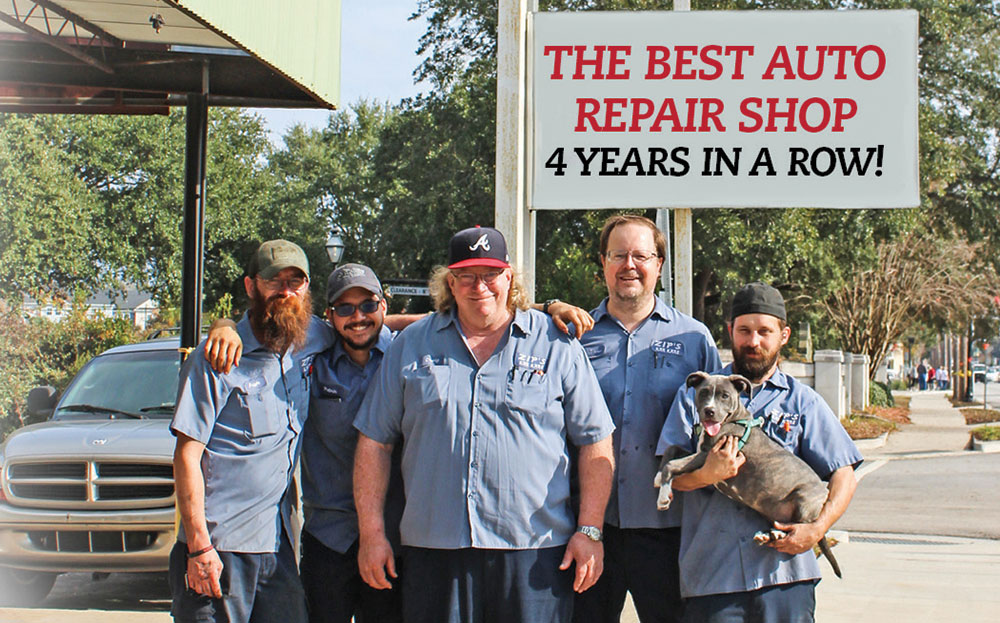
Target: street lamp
column 335, row 245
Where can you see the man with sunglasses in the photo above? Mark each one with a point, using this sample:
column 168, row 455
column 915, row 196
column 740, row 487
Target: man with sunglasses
column 642, row 350
column 237, row 441
column 484, row 397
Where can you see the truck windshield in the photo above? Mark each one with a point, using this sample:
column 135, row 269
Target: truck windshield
column 136, row 384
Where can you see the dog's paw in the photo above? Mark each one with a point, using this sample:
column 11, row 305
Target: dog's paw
column 665, row 497
column 762, row 538
column 658, row 479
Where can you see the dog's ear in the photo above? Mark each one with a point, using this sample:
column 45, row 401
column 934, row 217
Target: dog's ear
column 696, row 377
column 741, row 383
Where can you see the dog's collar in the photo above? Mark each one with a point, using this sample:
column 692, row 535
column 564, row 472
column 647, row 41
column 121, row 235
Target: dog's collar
column 748, row 425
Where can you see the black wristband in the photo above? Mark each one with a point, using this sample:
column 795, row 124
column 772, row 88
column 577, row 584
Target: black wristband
column 545, row 306
column 200, row 552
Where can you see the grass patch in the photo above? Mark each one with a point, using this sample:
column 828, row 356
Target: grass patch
column 861, row 426
column 980, row 415
column 987, row 433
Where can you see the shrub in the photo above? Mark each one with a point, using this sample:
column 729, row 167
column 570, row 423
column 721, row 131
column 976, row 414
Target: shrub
column 879, row 395
column 987, row 433
column 40, row 352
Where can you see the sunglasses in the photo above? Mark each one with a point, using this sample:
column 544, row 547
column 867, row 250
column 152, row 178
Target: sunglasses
column 346, row 310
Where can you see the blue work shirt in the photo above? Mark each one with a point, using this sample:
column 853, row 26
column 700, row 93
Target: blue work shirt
column 717, row 553
column 639, row 373
column 249, row 421
column 328, row 443
column 486, row 460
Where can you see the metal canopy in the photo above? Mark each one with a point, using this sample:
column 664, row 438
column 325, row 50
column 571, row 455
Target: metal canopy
column 141, row 56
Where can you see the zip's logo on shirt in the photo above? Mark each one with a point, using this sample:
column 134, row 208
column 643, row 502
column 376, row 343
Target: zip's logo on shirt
column 530, row 363
column 667, row 347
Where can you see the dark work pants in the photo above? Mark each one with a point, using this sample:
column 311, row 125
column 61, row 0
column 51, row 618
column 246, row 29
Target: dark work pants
column 486, row 586
column 782, row 603
column 256, row 588
column 335, row 591
column 641, row 561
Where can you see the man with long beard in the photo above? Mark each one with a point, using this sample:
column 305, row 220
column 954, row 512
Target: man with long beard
column 725, row 576
column 237, row 442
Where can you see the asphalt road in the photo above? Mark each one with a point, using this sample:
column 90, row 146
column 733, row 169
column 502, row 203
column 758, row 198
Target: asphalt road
column 992, row 392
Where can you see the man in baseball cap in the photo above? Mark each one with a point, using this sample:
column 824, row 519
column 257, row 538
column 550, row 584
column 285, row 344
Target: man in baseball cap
column 478, row 246
column 773, row 583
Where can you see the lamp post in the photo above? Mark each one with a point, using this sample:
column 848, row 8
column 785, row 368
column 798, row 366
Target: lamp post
column 335, row 245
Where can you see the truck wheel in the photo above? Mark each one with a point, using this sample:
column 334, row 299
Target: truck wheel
column 21, row 587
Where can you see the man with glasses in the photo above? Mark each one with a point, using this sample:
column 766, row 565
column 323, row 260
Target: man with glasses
column 485, row 397
column 237, row 440
column 642, row 351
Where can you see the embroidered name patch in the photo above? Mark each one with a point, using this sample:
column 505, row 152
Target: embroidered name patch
column 667, row 347
column 328, row 391
column 594, row 350
column 530, row 363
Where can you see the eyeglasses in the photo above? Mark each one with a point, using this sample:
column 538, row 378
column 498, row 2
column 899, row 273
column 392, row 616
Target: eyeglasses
column 293, row 283
column 639, row 257
column 346, row 310
column 468, row 280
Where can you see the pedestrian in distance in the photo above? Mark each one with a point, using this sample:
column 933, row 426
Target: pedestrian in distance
column 485, row 396
column 725, row 576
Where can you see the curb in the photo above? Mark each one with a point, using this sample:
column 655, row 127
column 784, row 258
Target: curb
column 873, row 443
column 985, row 446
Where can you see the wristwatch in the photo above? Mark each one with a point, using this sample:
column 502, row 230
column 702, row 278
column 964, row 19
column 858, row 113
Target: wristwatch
column 545, row 306
column 593, row 533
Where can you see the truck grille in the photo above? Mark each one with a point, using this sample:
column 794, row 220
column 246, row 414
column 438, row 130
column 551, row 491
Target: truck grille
column 90, row 484
column 82, row 541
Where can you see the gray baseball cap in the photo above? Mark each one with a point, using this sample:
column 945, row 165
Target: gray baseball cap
column 351, row 276
column 274, row 256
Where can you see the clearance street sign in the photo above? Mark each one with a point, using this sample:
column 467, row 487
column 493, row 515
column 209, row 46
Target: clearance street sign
column 723, row 109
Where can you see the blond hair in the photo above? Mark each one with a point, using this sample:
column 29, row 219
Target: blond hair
column 444, row 300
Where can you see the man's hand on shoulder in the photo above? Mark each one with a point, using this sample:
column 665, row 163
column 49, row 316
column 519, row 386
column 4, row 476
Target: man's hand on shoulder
column 223, row 346
column 563, row 314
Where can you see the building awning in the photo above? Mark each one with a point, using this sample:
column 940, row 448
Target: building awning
column 142, row 56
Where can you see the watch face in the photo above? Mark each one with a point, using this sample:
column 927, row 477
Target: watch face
column 594, row 534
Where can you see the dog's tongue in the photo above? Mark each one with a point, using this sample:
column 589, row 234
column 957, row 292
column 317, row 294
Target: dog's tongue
column 712, row 428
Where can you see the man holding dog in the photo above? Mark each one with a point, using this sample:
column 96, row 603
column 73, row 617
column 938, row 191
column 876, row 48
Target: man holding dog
column 485, row 396
column 725, row 576
column 642, row 351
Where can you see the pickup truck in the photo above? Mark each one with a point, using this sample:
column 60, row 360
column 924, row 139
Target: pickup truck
column 92, row 488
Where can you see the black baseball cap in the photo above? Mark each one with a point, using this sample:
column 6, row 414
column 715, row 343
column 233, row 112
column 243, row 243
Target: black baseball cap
column 351, row 276
column 758, row 298
column 478, row 246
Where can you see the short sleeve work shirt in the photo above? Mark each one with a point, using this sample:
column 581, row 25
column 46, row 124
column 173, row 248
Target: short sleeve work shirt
column 249, row 421
column 328, row 443
column 715, row 528
column 639, row 373
column 485, row 457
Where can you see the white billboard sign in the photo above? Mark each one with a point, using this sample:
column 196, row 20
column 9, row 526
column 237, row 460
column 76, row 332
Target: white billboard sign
column 724, row 109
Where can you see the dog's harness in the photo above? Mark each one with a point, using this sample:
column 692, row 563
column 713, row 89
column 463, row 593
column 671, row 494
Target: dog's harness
column 748, row 425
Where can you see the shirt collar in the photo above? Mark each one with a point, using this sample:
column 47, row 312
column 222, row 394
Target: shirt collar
column 250, row 341
column 660, row 309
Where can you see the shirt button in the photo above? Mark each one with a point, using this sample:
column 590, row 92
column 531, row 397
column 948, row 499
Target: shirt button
column 474, row 465
column 628, row 392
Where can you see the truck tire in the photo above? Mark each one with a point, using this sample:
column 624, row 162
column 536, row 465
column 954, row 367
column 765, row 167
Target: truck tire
column 22, row 587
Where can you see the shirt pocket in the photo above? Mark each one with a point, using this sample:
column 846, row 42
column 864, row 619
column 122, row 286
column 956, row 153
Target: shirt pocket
column 785, row 429
column 527, row 392
column 263, row 415
column 428, row 385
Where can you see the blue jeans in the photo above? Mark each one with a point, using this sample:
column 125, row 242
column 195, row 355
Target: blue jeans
column 335, row 591
column 782, row 603
column 486, row 586
column 256, row 588
column 642, row 561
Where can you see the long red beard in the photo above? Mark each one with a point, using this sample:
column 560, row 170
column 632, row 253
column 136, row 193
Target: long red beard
column 281, row 322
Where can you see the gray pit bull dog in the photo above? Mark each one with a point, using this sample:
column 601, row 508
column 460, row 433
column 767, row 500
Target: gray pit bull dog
column 773, row 481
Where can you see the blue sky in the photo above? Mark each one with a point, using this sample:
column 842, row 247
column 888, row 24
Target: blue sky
column 378, row 56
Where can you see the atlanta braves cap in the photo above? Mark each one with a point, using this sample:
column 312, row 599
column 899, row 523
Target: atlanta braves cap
column 478, row 246
column 758, row 298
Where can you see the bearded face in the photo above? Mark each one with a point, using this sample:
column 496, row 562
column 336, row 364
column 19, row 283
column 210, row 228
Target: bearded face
column 280, row 321
column 754, row 362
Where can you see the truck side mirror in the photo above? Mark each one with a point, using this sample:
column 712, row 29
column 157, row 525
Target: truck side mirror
column 41, row 401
